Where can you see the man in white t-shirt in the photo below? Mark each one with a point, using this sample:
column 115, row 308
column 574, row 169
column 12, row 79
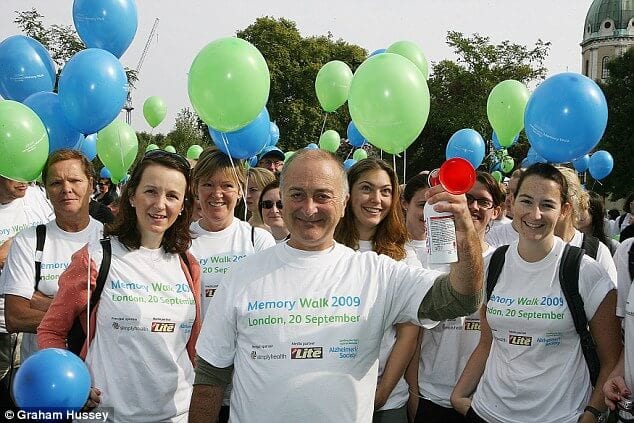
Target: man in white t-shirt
column 21, row 206
column 302, row 322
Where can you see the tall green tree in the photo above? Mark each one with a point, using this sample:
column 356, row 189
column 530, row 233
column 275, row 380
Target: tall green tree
column 293, row 62
column 619, row 135
column 188, row 130
column 459, row 90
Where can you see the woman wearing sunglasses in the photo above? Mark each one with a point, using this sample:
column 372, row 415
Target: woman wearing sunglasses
column 140, row 346
column 270, row 209
column 373, row 221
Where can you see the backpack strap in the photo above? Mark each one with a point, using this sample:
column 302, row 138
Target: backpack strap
column 569, row 280
column 253, row 236
column 186, row 261
column 495, row 268
column 630, row 261
column 591, row 245
column 40, row 238
column 103, row 272
column 621, row 219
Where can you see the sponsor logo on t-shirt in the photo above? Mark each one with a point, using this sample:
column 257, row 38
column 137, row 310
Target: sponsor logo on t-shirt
column 209, row 292
column 471, row 325
column 525, row 341
column 163, row 327
column 268, row 356
column 307, row 353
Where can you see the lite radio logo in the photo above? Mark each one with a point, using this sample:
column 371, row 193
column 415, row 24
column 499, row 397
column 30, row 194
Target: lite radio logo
column 525, row 341
column 163, row 327
column 307, row 353
column 209, row 292
column 471, row 325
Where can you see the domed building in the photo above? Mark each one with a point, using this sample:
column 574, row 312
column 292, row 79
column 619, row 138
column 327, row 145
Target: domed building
column 608, row 32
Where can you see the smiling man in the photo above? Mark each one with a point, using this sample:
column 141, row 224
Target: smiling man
column 301, row 322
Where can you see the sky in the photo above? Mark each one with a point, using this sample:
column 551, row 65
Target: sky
column 186, row 26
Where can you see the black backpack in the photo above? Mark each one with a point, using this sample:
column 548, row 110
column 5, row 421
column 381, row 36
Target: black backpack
column 630, row 261
column 76, row 336
column 569, row 280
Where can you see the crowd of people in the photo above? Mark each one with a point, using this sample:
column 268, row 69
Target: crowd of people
column 298, row 291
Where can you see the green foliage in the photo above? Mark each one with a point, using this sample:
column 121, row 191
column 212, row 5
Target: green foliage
column 619, row 134
column 459, row 91
column 293, row 63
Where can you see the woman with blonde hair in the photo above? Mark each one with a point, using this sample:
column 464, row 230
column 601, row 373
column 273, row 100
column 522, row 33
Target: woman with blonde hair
column 257, row 179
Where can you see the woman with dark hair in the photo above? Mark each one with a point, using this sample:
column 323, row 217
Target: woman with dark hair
column 149, row 310
column 413, row 203
column 270, row 210
column 592, row 221
column 373, row 221
column 529, row 364
column 446, row 347
column 107, row 191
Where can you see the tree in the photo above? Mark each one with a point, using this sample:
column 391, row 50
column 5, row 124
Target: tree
column 459, row 91
column 619, row 134
column 187, row 131
column 293, row 63
column 61, row 41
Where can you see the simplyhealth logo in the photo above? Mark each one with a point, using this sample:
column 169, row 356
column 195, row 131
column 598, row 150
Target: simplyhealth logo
column 302, row 353
column 163, row 327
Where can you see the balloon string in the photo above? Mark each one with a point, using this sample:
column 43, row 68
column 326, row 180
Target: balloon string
column 88, row 303
column 233, row 166
column 349, row 153
column 324, row 124
column 246, row 189
column 120, row 150
column 394, row 162
column 381, row 154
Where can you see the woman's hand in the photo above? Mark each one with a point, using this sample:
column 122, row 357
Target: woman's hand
column 461, row 405
column 94, row 399
column 380, row 397
column 40, row 301
column 614, row 390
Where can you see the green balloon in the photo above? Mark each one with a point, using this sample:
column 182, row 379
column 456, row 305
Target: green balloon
column 151, row 147
column 332, row 85
column 154, row 110
column 507, row 164
column 229, row 84
column 505, row 110
column 23, row 142
column 170, row 148
column 389, row 101
column 193, row 152
column 288, row 155
column 117, row 146
column 497, row 175
column 359, row 154
column 329, row 141
column 413, row 52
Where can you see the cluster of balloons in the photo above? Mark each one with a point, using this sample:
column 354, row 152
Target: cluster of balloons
column 389, row 97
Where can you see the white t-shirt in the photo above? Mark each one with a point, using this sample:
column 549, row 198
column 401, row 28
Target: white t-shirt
column 422, row 254
column 138, row 357
column 30, row 210
column 18, row 277
column 536, row 371
column 501, row 221
column 624, row 281
column 218, row 251
column 625, row 307
column 502, row 235
column 604, row 257
column 444, row 352
column 303, row 329
column 400, row 394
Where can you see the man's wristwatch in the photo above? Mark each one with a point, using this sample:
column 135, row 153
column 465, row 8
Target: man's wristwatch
column 599, row 416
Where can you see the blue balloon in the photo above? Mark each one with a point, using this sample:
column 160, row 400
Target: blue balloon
column 275, row 134
column 495, row 165
column 246, row 142
column 355, row 138
column 60, row 134
column 534, row 157
column 581, row 163
column 26, row 68
column 348, row 163
column 467, row 144
column 525, row 163
column 52, row 379
column 312, row 146
column 565, row 117
column 253, row 161
column 496, row 142
column 88, row 146
column 105, row 173
column 377, row 51
column 92, row 90
column 106, row 24
column 600, row 164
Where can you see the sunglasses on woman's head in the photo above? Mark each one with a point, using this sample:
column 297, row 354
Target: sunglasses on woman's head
column 166, row 154
column 268, row 204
